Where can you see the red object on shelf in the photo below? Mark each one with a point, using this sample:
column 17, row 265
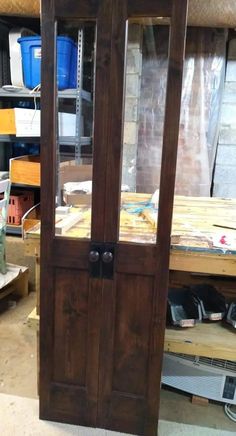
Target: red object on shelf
column 19, row 203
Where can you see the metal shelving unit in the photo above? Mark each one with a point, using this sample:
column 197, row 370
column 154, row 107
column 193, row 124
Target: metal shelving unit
column 27, row 93
column 63, row 140
column 77, row 97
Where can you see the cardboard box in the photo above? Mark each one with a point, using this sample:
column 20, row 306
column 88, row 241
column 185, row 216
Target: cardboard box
column 25, row 170
column 26, row 123
column 7, row 122
column 77, row 199
column 71, row 172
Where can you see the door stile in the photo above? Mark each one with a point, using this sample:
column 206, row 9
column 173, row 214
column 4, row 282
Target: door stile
column 103, row 97
column 48, row 163
column 111, row 224
column 114, row 149
column 166, row 199
column 101, row 138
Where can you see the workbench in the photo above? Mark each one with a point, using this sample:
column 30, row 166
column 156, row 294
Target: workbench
column 198, row 223
column 203, row 241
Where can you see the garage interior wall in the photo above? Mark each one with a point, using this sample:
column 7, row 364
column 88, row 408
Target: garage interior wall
column 225, row 169
column 201, row 100
column 203, row 86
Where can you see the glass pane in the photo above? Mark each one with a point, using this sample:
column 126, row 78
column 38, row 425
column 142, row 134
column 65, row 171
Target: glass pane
column 75, row 82
column 145, row 92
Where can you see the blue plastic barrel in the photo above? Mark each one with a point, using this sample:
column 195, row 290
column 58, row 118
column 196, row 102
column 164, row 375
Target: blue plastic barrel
column 31, row 61
column 73, row 75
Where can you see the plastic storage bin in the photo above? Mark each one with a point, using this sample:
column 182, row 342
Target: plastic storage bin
column 183, row 309
column 19, row 203
column 212, row 303
column 73, row 75
column 231, row 315
column 31, row 61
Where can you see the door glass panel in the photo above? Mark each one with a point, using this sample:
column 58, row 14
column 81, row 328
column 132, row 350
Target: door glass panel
column 144, row 109
column 75, row 91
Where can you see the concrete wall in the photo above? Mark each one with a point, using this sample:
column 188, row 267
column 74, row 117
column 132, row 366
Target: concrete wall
column 132, row 97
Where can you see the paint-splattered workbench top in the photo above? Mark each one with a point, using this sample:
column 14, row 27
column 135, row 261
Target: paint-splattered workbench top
column 203, row 231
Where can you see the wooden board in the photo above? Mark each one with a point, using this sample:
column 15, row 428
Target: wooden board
column 65, row 223
column 196, row 222
column 33, row 320
column 203, row 262
column 214, row 340
column 25, row 170
column 18, row 286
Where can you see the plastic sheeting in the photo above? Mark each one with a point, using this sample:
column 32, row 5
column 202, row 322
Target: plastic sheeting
column 201, row 101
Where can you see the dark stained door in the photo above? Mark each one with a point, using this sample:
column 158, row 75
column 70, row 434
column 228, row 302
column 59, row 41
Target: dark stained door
column 134, row 303
column 101, row 339
column 70, row 303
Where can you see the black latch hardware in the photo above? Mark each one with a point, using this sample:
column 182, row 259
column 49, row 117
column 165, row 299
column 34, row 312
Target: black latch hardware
column 101, row 260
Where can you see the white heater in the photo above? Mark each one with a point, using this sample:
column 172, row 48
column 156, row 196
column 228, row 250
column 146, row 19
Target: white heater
column 211, row 378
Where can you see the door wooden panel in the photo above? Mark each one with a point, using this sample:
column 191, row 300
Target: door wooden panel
column 124, row 344
column 125, row 353
column 68, row 404
column 133, row 313
column 71, row 326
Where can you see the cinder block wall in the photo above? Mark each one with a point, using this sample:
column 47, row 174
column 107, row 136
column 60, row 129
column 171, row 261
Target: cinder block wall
column 225, row 169
column 132, row 100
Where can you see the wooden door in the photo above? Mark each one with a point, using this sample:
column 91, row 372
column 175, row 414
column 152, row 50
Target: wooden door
column 134, row 303
column 103, row 295
column 70, row 303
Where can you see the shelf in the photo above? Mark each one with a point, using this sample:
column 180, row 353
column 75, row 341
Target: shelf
column 13, row 138
column 214, row 340
column 65, row 140
column 14, row 230
column 27, row 93
column 23, row 186
column 70, row 140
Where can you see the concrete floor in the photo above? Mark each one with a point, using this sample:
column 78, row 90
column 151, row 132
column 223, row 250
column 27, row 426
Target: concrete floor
column 18, row 352
column 21, row 418
column 15, row 253
column 18, row 379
